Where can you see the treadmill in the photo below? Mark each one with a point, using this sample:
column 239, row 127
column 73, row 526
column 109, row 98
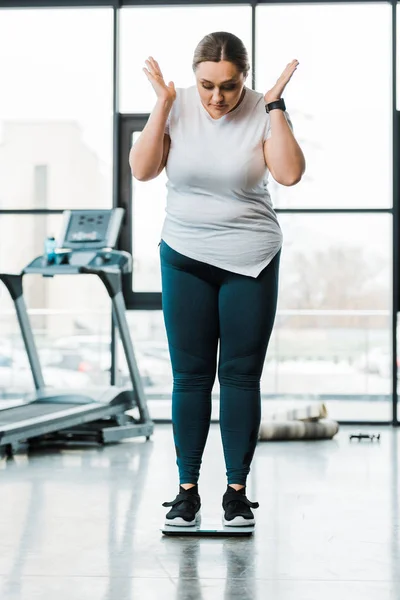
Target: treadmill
column 86, row 246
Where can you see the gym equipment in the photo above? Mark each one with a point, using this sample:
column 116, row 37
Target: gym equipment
column 208, row 529
column 50, row 415
column 365, row 436
column 308, row 422
column 298, row 430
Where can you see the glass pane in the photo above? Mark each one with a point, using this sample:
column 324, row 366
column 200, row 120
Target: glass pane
column 148, row 209
column 345, row 138
column 332, row 340
column 70, row 315
column 70, row 356
column 56, row 108
column 149, row 32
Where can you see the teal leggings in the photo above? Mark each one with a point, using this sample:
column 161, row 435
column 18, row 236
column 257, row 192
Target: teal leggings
column 202, row 305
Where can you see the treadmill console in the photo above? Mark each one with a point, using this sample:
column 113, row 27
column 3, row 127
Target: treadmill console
column 91, row 229
column 86, row 241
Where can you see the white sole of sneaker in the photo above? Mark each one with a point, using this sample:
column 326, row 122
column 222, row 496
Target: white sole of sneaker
column 179, row 522
column 239, row 522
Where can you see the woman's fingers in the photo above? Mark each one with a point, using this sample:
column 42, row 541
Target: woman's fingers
column 290, row 69
column 154, row 65
column 292, row 65
column 149, row 66
column 149, row 72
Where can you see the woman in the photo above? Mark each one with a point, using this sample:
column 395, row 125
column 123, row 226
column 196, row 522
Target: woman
column 219, row 252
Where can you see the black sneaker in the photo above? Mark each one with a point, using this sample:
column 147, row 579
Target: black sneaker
column 237, row 508
column 185, row 511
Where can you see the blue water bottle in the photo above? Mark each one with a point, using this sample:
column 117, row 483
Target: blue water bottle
column 50, row 245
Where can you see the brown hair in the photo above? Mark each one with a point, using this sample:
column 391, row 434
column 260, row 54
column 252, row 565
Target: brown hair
column 222, row 45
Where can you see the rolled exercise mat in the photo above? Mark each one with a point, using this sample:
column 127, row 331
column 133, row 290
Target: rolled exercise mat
column 298, row 430
column 311, row 412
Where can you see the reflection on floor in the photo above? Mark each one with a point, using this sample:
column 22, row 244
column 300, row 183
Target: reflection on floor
column 84, row 524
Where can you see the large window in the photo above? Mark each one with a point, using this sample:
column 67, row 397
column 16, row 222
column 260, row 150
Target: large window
column 339, row 99
column 333, row 331
column 55, row 108
column 333, row 336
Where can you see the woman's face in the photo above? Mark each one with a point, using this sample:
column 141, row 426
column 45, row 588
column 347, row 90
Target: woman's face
column 220, row 86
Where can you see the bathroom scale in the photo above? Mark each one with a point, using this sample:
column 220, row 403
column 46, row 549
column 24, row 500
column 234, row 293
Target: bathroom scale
column 208, row 528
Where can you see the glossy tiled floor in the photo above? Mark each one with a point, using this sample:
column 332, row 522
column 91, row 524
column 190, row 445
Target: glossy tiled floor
column 84, row 524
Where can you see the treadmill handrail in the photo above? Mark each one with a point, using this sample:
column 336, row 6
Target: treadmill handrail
column 13, row 283
column 110, row 277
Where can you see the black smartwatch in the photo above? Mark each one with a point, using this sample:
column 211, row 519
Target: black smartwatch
column 275, row 104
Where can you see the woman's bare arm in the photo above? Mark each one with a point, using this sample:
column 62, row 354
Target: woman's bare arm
column 149, row 154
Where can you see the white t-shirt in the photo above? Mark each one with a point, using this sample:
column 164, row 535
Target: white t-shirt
column 219, row 210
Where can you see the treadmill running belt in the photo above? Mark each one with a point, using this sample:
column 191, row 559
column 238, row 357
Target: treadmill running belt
column 32, row 410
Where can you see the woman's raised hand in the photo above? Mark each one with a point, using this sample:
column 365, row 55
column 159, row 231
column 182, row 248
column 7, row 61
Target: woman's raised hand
column 154, row 75
column 276, row 92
